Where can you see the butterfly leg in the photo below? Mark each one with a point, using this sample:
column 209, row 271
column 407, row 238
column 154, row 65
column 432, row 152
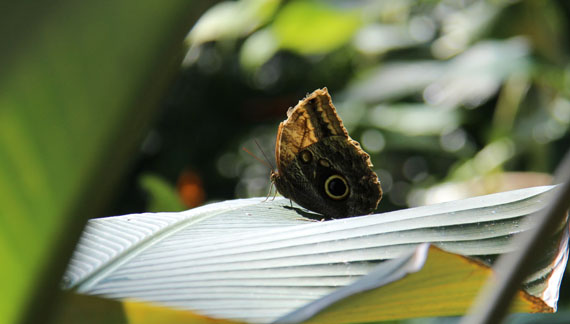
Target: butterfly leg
column 269, row 192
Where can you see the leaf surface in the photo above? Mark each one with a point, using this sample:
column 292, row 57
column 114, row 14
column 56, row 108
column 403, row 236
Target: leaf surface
column 256, row 260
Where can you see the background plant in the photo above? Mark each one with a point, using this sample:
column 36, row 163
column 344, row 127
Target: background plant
column 451, row 98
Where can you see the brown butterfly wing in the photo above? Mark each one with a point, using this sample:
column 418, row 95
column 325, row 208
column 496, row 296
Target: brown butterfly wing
column 311, row 120
column 313, row 147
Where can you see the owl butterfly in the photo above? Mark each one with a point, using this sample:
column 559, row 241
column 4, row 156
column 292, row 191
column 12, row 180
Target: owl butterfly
column 319, row 166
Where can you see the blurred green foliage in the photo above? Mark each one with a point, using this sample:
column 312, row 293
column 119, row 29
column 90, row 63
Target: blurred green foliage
column 162, row 196
column 451, row 98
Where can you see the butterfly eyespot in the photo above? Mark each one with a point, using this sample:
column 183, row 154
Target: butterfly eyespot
column 306, row 156
column 336, row 187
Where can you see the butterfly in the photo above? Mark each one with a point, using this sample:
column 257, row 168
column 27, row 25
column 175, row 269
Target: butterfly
column 319, row 166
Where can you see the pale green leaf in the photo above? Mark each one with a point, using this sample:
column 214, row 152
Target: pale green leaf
column 258, row 49
column 163, row 197
column 311, row 27
column 231, row 19
column 467, row 79
column 257, row 260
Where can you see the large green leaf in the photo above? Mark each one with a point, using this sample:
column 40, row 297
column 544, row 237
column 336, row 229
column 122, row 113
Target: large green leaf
column 78, row 85
column 257, row 260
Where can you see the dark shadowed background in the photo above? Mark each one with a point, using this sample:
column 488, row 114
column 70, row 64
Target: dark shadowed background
column 450, row 98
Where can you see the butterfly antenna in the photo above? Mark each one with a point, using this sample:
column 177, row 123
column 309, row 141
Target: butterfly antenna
column 265, row 156
column 266, row 163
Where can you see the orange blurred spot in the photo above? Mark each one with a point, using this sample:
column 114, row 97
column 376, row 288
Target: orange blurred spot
column 190, row 189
